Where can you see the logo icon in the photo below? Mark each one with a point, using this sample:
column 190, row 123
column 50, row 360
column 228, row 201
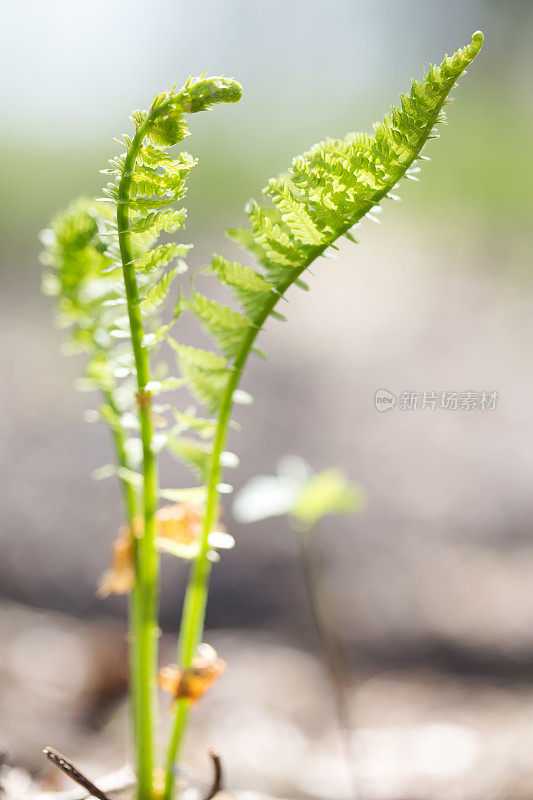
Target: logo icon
column 384, row 400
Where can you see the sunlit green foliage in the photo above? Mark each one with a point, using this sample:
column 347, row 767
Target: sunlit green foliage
column 85, row 267
column 301, row 494
column 323, row 196
column 112, row 276
column 327, row 492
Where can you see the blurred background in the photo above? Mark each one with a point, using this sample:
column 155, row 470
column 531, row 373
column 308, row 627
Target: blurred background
column 432, row 581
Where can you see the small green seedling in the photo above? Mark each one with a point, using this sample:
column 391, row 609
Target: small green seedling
column 305, row 498
column 112, row 277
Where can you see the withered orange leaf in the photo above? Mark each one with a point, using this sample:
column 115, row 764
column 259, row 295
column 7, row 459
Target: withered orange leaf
column 181, row 522
column 178, row 528
column 120, row 577
column 193, row 682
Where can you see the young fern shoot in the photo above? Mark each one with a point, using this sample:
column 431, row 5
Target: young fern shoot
column 326, row 192
column 112, row 277
column 84, row 276
column 90, row 251
column 147, row 183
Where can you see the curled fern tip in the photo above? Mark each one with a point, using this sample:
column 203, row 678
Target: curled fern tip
column 200, row 93
column 477, row 42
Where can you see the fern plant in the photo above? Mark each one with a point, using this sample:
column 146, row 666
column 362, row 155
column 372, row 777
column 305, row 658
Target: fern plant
column 112, row 276
column 109, row 274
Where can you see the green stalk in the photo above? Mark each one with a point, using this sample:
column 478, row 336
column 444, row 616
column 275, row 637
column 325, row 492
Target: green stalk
column 134, row 602
column 143, row 620
column 144, row 601
column 128, row 495
column 193, row 616
column 320, row 604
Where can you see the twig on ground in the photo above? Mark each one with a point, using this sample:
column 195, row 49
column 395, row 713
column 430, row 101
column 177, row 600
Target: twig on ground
column 216, row 786
column 70, row 770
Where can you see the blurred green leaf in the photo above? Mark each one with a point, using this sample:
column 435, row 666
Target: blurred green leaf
column 327, row 492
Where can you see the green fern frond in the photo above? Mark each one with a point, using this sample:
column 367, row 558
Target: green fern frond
column 161, row 256
column 294, row 212
column 99, row 373
column 198, row 94
column 274, row 237
column 169, row 384
column 155, row 222
column 86, row 248
column 150, row 156
column 150, row 340
column 325, row 193
column 158, row 293
column 195, row 494
column 227, row 327
column 188, row 421
column 246, row 239
column 205, row 373
column 336, row 183
column 250, row 287
column 168, row 130
column 89, row 302
column 149, row 181
column 196, row 454
column 75, row 249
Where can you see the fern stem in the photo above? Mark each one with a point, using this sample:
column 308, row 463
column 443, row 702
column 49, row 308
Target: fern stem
column 143, row 620
column 179, row 726
column 128, row 494
column 193, row 616
column 134, row 600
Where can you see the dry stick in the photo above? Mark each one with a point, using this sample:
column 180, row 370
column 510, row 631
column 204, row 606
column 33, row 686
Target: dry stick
column 216, row 786
column 70, row 770
column 218, row 779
